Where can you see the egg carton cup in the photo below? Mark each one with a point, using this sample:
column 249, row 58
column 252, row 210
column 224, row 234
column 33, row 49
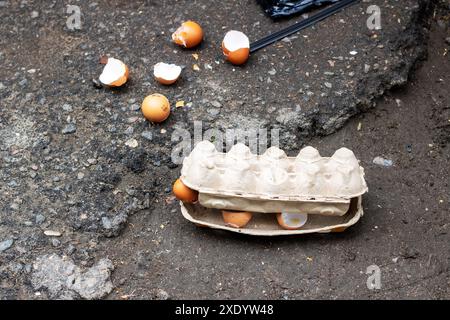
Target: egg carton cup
column 263, row 224
column 273, row 182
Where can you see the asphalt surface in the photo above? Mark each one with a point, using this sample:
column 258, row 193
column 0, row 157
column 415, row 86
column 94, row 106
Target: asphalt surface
column 80, row 200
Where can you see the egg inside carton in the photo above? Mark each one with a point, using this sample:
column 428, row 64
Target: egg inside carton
column 274, row 182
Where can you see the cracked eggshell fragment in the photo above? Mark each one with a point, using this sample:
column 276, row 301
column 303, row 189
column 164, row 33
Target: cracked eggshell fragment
column 115, row 73
column 166, row 73
column 188, row 35
column 236, row 47
column 291, row 221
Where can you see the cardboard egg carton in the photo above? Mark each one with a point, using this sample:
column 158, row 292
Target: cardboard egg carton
column 265, row 224
column 274, row 182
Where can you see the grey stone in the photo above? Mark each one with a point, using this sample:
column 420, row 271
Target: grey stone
column 216, row 104
column 56, row 242
column 70, row 249
column 70, row 128
column 162, row 294
column 135, row 107
column 113, row 226
column 147, row 135
column 5, row 245
column 95, row 282
column 64, row 280
column 67, row 107
column 129, row 131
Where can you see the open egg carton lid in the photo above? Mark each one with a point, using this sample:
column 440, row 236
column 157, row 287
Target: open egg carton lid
column 273, row 176
column 263, row 224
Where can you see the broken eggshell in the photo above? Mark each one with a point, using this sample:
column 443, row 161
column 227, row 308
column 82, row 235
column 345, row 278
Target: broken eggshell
column 114, row 74
column 236, row 47
column 188, row 35
column 291, row 221
column 165, row 73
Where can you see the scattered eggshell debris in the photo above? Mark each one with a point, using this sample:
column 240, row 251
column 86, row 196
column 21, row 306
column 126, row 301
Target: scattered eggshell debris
column 115, row 73
column 196, row 67
column 179, row 104
column 195, row 56
column 236, row 47
column 166, row 73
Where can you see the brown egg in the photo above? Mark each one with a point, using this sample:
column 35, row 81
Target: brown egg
column 189, row 35
column 184, row 193
column 236, row 219
column 155, row 107
column 236, row 47
column 115, row 73
column 292, row 221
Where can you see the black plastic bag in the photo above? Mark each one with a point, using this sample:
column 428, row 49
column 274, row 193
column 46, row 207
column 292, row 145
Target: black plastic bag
column 284, row 8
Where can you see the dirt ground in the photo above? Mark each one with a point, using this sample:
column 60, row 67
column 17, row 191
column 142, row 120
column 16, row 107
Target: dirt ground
column 65, row 167
column 405, row 229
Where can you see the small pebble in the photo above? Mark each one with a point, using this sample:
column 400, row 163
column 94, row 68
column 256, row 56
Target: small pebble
column 97, row 84
column 70, row 249
column 382, row 162
column 5, row 245
column 70, row 128
column 67, row 107
column 216, row 104
column 129, row 131
column 147, row 135
column 52, row 233
column 132, row 143
column 56, row 242
column 39, row 218
column 135, row 107
column 162, row 294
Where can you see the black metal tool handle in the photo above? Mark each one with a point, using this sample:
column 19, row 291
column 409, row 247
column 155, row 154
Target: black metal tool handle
column 325, row 13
